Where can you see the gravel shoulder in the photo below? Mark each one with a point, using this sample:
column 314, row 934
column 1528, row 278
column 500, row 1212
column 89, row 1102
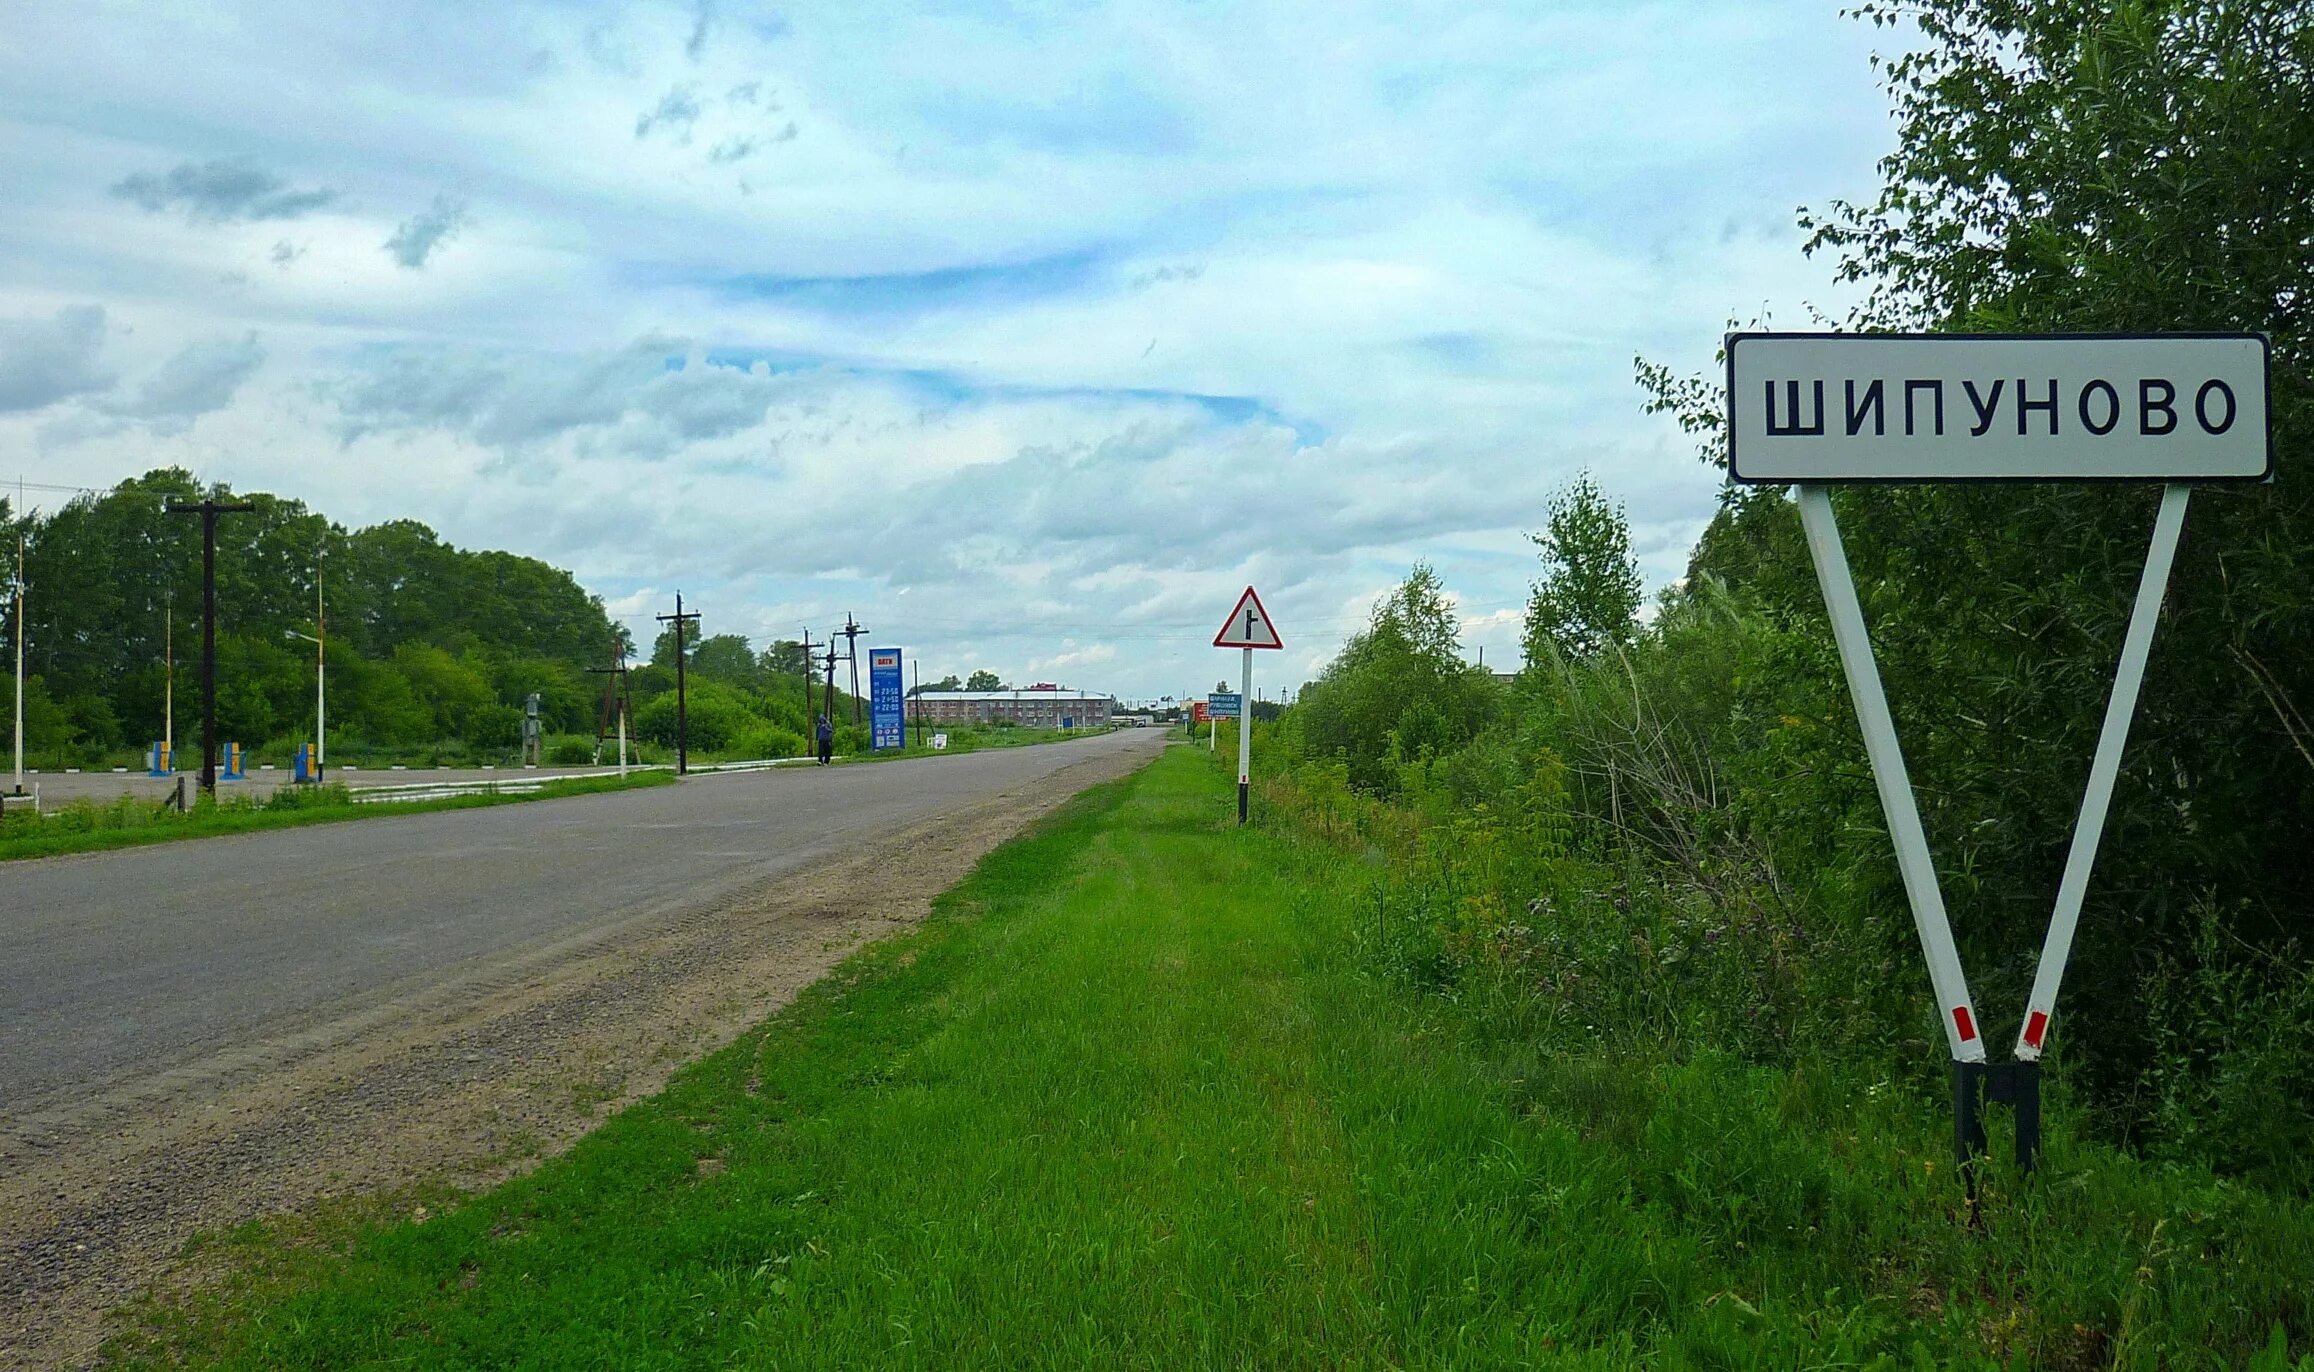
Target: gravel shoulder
column 467, row 1083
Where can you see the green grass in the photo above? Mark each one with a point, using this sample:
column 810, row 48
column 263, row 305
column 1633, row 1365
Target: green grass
column 133, row 821
column 1132, row 1099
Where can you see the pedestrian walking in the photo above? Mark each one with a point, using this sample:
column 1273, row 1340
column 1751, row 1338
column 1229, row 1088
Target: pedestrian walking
column 827, row 736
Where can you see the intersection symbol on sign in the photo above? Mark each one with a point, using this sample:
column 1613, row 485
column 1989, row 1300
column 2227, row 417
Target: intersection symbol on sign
column 1248, row 626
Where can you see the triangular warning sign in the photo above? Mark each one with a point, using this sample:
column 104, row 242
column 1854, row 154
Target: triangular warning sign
column 1248, row 626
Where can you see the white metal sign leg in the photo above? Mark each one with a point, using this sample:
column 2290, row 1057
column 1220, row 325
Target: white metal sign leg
column 2136, row 646
column 1888, row 773
column 1244, row 733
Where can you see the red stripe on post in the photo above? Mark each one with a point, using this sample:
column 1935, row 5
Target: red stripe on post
column 2036, row 1026
column 1967, row 1026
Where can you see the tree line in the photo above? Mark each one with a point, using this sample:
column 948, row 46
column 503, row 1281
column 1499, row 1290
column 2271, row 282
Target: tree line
column 432, row 649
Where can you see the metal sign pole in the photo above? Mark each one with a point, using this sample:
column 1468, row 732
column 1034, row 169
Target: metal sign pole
column 2136, row 646
column 1888, row 773
column 1244, row 733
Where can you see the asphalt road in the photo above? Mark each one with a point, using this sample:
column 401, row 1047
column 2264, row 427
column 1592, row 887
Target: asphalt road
column 118, row 964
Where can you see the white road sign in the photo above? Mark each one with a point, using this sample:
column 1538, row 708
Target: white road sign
column 1248, row 626
column 1820, row 407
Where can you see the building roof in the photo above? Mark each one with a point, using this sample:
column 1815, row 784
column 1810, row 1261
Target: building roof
column 976, row 697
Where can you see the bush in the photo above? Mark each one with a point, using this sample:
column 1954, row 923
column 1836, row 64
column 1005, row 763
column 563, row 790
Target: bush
column 770, row 741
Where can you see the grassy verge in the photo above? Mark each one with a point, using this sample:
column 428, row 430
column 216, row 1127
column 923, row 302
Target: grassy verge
column 132, row 821
column 1135, row 1098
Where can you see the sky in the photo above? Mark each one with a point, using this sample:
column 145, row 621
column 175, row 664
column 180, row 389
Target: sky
column 1030, row 334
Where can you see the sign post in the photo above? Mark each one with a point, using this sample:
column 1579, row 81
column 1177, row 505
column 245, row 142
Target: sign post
column 1248, row 627
column 887, row 717
column 1814, row 409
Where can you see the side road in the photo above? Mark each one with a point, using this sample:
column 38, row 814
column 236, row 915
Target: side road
column 1137, row 1097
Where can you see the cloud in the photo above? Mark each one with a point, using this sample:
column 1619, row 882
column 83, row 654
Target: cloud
column 702, row 25
column 1081, row 321
column 200, row 379
column 980, row 284
column 43, row 361
column 221, row 192
column 678, row 109
column 635, row 400
column 419, row 236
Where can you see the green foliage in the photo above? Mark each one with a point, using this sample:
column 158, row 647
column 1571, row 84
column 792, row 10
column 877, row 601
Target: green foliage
column 1585, row 601
column 716, row 715
column 1399, row 696
column 426, row 642
column 984, row 680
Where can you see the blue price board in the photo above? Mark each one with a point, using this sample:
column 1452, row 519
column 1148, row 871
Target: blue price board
column 1224, row 705
column 887, row 718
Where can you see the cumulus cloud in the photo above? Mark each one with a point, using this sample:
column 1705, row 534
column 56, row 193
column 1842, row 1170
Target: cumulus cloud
column 1052, row 319
column 644, row 400
column 676, row 111
column 702, row 27
column 200, row 379
column 43, row 361
column 221, row 192
column 418, row 238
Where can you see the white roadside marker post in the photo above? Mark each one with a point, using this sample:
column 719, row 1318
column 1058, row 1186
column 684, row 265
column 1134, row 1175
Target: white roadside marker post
column 1889, row 775
column 2136, row 647
column 1805, row 410
column 1244, row 732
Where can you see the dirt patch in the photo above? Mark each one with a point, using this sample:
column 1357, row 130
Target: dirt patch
column 99, row 1197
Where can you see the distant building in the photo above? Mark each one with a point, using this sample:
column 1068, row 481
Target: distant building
column 1042, row 707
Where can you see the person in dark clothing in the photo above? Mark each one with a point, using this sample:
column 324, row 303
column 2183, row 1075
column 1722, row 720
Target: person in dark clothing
column 827, row 735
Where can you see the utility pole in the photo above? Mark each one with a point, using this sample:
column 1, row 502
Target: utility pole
column 320, row 670
column 169, row 679
column 851, row 632
column 614, row 698
column 21, row 588
column 916, row 699
column 810, row 679
column 830, row 709
column 209, row 510
column 682, row 706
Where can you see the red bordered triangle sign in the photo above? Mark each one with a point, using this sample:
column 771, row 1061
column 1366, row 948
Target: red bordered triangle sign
column 1248, row 626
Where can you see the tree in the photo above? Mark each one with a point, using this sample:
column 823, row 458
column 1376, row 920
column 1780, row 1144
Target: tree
column 984, row 680
column 727, row 658
column 134, row 575
column 784, row 657
column 1586, row 601
column 946, row 683
column 1399, row 692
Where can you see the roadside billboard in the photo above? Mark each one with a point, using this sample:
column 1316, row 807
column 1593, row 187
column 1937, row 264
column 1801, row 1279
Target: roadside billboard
column 887, row 717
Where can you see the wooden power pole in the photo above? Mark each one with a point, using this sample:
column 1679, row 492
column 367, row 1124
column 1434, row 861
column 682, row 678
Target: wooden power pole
column 682, row 705
column 209, row 510
column 851, row 632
